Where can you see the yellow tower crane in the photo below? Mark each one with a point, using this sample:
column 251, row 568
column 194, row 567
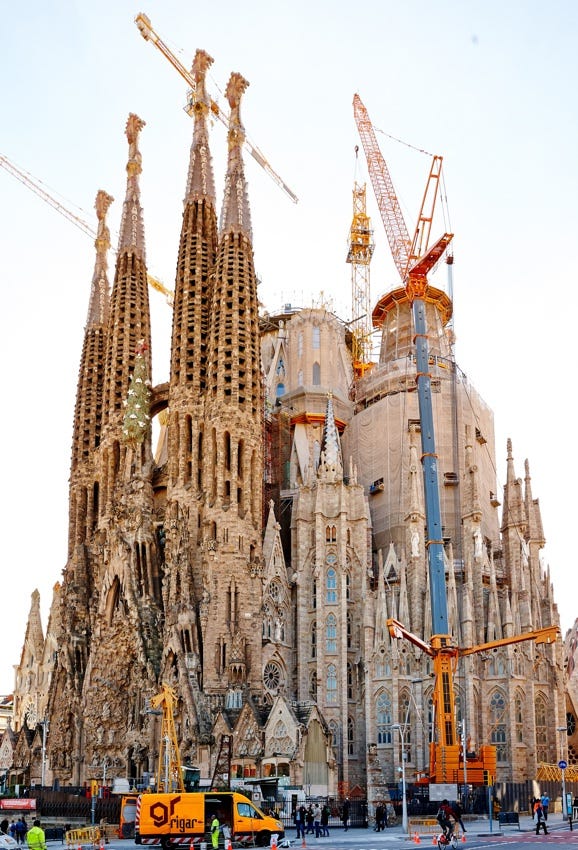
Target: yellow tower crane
column 360, row 252
column 148, row 33
column 36, row 186
column 169, row 768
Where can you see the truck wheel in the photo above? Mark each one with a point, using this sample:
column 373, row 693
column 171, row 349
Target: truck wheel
column 264, row 839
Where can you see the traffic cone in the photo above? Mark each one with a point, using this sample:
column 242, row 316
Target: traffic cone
column 463, row 837
column 304, row 843
column 273, row 842
column 417, row 838
column 434, row 840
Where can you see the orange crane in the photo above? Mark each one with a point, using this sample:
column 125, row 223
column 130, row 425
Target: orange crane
column 149, row 34
column 36, row 186
column 414, row 259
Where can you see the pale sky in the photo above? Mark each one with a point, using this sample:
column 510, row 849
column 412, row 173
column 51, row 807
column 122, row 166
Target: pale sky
column 488, row 85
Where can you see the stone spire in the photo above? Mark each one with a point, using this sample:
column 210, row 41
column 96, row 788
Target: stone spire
column 129, row 307
column 330, row 460
column 200, row 181
column 131, row 227
column 98, row 308
column 88, row 408
column 235, row 214
column 232, row 457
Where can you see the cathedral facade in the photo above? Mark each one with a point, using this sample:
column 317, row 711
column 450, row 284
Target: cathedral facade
column 252, row 557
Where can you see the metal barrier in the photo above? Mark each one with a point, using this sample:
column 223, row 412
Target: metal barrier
column 509, row 819
column 429, row 826
column 86, row 835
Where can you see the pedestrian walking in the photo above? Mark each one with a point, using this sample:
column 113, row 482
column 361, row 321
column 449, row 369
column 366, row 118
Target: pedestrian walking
column 317, row 820
column 457, row 810
column 545, row 805
column 345, row 814
column 325, row 821
column 540, row 820
column 309, row 820
column 35, row 837
column 300, row 821
column 21, row 830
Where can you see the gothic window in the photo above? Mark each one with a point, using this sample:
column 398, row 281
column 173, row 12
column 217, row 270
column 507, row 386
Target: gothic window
column 334, row 729
column 518, row 663
column 234, row 699
column 331, row 634
column 280, row 390
column 331, row 586
column 314, row 640
column 384, row 717
column 313, row 685
column 227, row 440
column 275, row 591
column 331, row 684
column 330, row 534
column 272, row 676
column 347, row 587
column 349, row 631
column 382, row 667
column 458, row 707
column 519, row 717
column 316, row 375
column 349, row 681
column 498, row 724
column 497, row 665
column 314, row 595
column 541, row 720
column 350, row 736
column 316, row 337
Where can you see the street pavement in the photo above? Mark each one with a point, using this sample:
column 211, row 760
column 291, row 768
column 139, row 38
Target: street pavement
column 479, row 832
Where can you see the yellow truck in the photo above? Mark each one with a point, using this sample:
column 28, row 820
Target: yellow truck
column 174, row 819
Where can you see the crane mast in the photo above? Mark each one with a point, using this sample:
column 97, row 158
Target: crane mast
column 169, row 768
column 360, row 252
column 145, row 28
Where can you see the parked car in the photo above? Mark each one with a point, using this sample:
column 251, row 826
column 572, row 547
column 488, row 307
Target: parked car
column 7, row 842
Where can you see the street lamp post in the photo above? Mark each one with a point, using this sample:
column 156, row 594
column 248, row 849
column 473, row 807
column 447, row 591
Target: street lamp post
column 563, row 771
column 401, row 731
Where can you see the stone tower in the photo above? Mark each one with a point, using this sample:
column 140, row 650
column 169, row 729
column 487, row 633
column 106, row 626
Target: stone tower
column 109, row 646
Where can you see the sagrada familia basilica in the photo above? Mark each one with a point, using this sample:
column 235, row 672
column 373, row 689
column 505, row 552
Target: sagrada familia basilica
column 251, row 555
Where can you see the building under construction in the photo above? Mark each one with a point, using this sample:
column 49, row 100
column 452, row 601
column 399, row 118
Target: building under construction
column 252, row 559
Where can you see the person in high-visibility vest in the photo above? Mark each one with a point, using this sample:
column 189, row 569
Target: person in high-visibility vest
column 35, row 837
column 215, row 826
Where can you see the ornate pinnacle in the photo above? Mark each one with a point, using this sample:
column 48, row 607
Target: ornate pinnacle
column 234, row 92
column 101, row 205
column 133, row 127
column 201, row 64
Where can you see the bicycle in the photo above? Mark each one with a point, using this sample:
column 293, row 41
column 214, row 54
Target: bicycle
column 443, row 841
